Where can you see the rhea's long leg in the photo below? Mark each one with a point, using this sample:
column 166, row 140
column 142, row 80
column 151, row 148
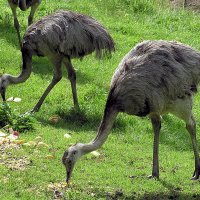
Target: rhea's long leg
column 33, row 9
column 183, row 110
column 72, row 78
column 16, row 23
column 191, row 127
column 56, row 78
column 156, row 123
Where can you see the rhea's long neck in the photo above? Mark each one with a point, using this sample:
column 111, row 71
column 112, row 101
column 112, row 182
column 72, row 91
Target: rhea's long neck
column 25, row 72
column 103, row 131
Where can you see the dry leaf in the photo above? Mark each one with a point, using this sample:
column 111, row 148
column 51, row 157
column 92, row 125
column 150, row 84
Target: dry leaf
column 10, row 99
column 27, row 144
column 53, row 150
column 57, row 186
column 12, row 137
column 30, row 144
column 17, row 100
column 4, row 140
column 50, row 157
column 95, row 153
column 10, row 130
column 18, row 141
column 67, row 135
column 38, row 139
column 2, row 134
column 54, row 119
column 42, row 144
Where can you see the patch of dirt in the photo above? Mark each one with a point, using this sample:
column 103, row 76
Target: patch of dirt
column 58, row 189
column 10, row 160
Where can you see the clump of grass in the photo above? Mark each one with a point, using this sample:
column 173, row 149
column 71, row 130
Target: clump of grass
column 130, row 6
column 5, row 115
column 14, row 120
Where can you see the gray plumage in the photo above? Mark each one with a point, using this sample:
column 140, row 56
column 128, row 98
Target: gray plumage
column 23, row 5
column 154, row 78
column 61, row 36
column 153, row 75
column 69, row 34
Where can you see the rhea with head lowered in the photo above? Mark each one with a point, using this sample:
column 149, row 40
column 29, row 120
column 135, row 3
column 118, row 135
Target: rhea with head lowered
column 61, row 37
column 23, row 5
column 154, row 78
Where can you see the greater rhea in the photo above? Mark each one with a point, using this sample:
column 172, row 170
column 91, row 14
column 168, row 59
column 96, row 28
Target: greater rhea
column 61, row 37
column 154, row 78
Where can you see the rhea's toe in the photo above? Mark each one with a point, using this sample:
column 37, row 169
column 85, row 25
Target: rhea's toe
column 195, row 175
column 156, row 177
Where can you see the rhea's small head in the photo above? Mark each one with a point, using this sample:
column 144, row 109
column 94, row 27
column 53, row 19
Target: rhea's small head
column 3, row 84
column 70, row 157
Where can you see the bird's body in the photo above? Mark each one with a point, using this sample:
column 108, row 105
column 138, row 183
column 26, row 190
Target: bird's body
column 61, row 37
column 154, row 78
column 23, row 5
column 67, row 34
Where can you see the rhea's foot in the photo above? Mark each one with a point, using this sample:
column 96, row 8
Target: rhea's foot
column 196, row 175
column 156, row 177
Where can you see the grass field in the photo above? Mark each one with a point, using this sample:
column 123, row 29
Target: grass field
column 125, row 161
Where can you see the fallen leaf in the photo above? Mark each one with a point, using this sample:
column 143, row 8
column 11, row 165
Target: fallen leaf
column 50, row 157
column 53, row 150
column 38, row 139
column 10, row 130
column 42, row 144
column 92, row 194
column 95, row 153
column 30, row 144
column 4, row 140
column 10, row 99
column 27, row 144
column 12, row 137
column 54, row 119
column 67, row 135
column 18, row 141
column 2, row 134
column 17, row 100
column 57, row 186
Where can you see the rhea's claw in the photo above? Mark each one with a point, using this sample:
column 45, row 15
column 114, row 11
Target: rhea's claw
column 195, row 175
column 153, row 177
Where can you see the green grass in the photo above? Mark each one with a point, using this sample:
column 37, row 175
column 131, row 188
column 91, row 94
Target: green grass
column 128, row 151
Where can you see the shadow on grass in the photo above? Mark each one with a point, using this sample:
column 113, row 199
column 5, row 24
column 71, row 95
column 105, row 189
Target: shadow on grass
column 44, row 68
column 173, row 194
column 174, row 134
column 8, row 31
column 78, row 121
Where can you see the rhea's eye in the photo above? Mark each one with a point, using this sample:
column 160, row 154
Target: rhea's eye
column 74, row 152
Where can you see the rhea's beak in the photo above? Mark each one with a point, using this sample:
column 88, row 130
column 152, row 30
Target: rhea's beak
column 3, row 94
column 69, row 168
